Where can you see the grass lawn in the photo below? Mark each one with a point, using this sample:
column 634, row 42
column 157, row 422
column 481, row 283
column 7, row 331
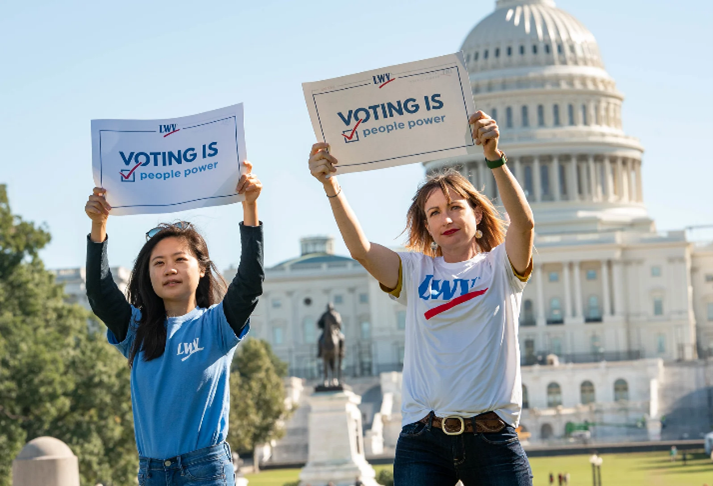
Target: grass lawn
column 646, row 469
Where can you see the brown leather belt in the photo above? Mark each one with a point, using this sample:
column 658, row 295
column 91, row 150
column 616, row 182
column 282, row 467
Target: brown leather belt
column 485, row 423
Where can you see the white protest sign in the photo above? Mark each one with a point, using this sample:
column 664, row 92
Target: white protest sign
column 414, row 112
column 162, row 166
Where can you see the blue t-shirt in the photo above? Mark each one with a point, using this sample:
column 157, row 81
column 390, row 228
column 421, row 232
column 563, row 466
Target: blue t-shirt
column 181, row 400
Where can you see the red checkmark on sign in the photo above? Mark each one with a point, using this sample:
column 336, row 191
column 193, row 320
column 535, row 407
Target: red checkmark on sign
column 171, row 133
column 130, row 172
column 386, row 83
column 351, row 135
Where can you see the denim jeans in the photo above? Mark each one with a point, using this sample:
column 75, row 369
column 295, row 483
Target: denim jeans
column 425, row 456
column 211, row 466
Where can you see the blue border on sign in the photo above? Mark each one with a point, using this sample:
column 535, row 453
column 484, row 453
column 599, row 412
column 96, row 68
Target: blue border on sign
column 101, row 162
column 465, row 106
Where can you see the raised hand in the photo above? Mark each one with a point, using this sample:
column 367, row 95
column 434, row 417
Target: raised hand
column 249, row 185
column 97, row 208
column 321, row 163
column 486, row 133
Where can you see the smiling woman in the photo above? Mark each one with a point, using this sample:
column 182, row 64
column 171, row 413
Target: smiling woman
column 461, row 283
column 179, row 331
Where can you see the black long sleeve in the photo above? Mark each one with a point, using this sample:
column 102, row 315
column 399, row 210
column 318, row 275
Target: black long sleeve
column 246, row 287
column 105, row 298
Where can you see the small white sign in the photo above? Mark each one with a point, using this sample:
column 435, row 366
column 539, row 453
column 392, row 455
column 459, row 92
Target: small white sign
column 163, row 166
column 414, row 112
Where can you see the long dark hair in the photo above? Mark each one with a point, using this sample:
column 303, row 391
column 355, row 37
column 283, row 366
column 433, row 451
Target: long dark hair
column 151, row 332
column 491, row 225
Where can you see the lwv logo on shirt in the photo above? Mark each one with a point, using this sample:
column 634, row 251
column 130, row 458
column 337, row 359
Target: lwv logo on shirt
column 188, row 349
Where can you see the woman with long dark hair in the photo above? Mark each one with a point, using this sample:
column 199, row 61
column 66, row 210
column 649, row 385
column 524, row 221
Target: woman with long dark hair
column 461, row 283
column 178, row 330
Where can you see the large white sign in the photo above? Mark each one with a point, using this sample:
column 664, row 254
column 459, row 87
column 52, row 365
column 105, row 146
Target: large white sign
column 162, row 166
column 402, row 114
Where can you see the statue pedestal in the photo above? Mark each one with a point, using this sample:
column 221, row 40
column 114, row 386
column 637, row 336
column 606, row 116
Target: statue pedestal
column 336, row 445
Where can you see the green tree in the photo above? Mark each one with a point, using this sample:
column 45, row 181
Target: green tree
column 257, row 397
column 56, row 377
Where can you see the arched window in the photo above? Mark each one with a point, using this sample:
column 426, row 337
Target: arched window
column 547, row 48
column 584, row 115
column 475, row 56
column 509, row 51
column 522, row 50
column 310, row 330
column 540, row 115
column 485, row 54
column 497, row 52
column 621, row 390
column 528, row 314
column 554, row 395
column 586, row 390
column 555, row 310
column 546, row 432
column 494, row 114
column 534, row 49
column 467, row 58
column 528, row 181
column 525, row 117
column 525, row 398
column 508, row 117
column 658, row 305
column 570, row 112
column 556, row 114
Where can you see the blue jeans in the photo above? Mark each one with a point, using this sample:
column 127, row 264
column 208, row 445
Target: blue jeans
column 211, row 466
column 425, row 456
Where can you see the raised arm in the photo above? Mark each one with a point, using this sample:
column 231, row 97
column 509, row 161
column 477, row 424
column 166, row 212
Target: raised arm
column 246, row 287
column 521, row 231
column 107, row 301
column 379, row 261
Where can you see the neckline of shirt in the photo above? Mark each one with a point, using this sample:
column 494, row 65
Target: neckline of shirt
column 194, row 313
column 478, row 257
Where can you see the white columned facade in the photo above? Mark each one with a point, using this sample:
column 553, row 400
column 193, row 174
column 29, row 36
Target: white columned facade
column 567, row 292
column 639, row 185
column 618, row 281
column 619, row 180
column 536, row 180
column 541, row 320
column 578, row 304
column 555, row 178
column 608, row 180
column 606, row 301
column 573, row 192
column 592, row 178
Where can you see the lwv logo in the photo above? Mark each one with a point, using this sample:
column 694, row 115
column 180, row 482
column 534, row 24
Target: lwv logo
column 188, row 349
column 168, row 129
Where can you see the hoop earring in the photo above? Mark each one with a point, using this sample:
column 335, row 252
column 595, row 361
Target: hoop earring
column 434, row 246
column 478, row 234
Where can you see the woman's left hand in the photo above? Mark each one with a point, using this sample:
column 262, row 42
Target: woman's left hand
column 249, row 185
column 486, row 133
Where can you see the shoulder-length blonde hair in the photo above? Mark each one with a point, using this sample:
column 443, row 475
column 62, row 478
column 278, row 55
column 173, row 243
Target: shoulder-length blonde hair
column 491, row 225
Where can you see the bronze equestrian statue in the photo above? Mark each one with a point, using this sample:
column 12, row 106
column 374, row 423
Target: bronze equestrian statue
column 331, row 346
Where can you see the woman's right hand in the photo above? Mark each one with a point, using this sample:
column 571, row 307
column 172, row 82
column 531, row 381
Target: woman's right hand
column 321, row 164
column 97, row 208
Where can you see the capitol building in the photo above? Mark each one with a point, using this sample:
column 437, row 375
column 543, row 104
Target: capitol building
column 616, row 328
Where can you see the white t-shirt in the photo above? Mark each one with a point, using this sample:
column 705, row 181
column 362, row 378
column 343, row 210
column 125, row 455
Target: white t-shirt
column 461, row 356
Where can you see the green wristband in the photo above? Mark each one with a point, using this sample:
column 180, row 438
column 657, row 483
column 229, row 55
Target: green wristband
column 494, row 164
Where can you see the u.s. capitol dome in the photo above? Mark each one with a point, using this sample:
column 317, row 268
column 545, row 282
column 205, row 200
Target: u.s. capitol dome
column 538, row 71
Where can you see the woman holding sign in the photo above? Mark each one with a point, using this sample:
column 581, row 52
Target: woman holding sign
column 179, row 331
column 462, row 283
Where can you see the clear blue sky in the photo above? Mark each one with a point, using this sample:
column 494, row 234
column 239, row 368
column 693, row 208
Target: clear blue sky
column 65, row 63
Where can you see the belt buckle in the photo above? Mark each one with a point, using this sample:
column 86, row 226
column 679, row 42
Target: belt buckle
column 458, row 432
